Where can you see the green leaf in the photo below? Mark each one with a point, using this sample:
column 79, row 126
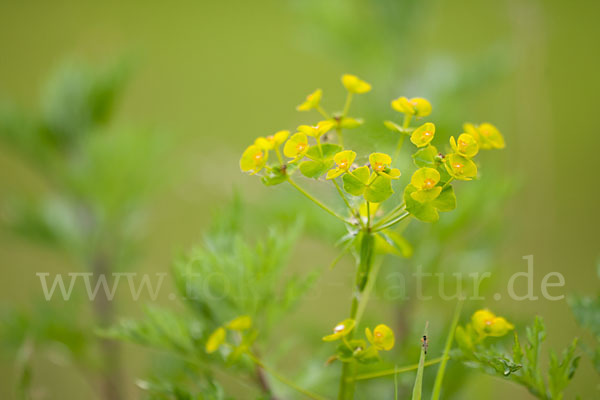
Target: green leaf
column 368, row 356
column 355, row 181
column 329, row 150
column 347, row 354
column 425, row 157
column 390, row 242
column 277, row 175
column 446, row 201
column 425, row 212
column 314, row 169
column 379, row 190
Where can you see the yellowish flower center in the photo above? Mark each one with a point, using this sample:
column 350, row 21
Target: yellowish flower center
column 339, row 328
column 458, row 167
column 427, row 134
column 428, row 184
column 378, row 167
column 378, row 334
column 300, row 147
column 343, row 164
column 484, row 132
column 271, row 138
column 462, row 144
column 258, row 156
column 489, row 322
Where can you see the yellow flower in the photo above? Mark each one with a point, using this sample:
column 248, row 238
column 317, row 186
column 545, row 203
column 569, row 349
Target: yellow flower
column 460, row 167
column 416, row 106
column 355, row 85
column 382, row 337
column 272, row 141
column 425, row 181
column 486, row 323
column 486, row 135
column 348, row 122
column 380, row 164
column 343, row 161
column 340, row 330
column 296, row 146
column 318, row 130
column 312, row 101
column 423, row 135
column 253, row 159
column 465, row 146
column 215, row 340
column 240, row 323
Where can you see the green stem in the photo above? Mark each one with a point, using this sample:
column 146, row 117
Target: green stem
column 339, row 135
column 347, row 104
column 391, row 215
column 352, row 211
column 347, row 381
column 279, row 155
column 284, row 380
column 323, row 112
column 448, row 183
column 437, row 387
column 392, row 222
column 319, row 145
column 317, row 202
column 387, row 372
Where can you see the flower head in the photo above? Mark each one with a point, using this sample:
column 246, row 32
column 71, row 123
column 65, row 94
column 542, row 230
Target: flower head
column 340, row 330
column 318, row 130
column 416, row 106
column 487, row 136
column 460, row 167
column 425, row 181
column 354, row 84
column 466, row 145
column 240, row 323
column 215, row 340
column 486, row 323
column 382, row 337
column 343, row 161
column 423, row 135
column 312, row 101
column 272, row 141
column 296, row 146
column 380, row 164
column 253, row 159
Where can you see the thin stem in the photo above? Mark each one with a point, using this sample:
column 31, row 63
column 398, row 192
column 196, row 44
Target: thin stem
column 339, row 135
column 319, row 145
column 387, row 372
column 317, row 202
column 323, row 112
column 399, row 146
column 391, row 215
column 347, row 104
column 283, row 379
column 368, row 215
column 437, row 387
column 278, row 152
column 448, row 183
column 341, row 193
column 364, row 298
column 392, row 222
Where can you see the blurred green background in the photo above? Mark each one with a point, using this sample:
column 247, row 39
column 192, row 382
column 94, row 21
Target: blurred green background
column 213, row 75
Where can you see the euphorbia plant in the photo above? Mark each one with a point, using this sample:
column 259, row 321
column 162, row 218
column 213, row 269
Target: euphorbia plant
column 366, row 186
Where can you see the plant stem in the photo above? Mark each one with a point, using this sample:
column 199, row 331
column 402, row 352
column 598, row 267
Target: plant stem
column 339, row 135
column 323, row 112
column 391, row 215
column 347, row 104
column 437, row 387
column 347, row 381
column 343, row 196
column 387, row 372
column 283, row 379
column 317, row 202
column 392, row 222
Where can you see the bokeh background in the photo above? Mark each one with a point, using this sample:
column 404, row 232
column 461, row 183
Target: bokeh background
column 211, row 76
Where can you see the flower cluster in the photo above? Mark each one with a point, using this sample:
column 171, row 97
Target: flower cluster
column 484, row 323
column 381, row 338
column 241, row 337
column 370, row 178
